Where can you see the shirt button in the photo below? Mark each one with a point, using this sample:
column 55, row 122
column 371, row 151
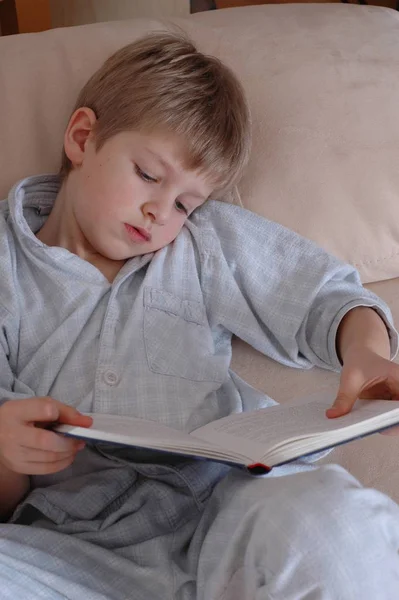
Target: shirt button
column 110, row 378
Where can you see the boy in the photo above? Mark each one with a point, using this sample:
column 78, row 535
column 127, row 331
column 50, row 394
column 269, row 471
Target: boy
column 121, row 289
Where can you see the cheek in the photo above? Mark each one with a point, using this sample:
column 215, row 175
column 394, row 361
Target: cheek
column 170, row 231
column 94, row 199
column 106, row 192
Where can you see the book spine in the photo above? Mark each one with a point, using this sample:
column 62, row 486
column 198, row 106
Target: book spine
column 258, row 469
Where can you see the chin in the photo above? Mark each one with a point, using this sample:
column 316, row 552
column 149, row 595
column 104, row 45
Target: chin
column 113, row 256
column 118, row 257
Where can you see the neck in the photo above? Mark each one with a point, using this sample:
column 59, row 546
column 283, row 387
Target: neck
column 62, row 230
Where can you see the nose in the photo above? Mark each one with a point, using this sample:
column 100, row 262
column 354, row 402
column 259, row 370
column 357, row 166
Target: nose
column 157, row 210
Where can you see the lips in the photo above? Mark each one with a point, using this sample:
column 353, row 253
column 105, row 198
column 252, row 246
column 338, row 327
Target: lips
column 137, row 234
column 146, row 235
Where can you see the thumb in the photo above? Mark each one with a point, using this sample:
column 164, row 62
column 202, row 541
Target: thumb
column 348, row 393
column 71, row 416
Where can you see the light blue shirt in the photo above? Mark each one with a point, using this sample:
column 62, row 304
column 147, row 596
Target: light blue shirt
column 156, row 343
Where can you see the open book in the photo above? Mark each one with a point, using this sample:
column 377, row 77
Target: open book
column 257, row 440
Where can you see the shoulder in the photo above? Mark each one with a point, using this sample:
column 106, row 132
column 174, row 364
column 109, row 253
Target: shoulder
column 239, row 235
column 4, row 213
column 5, row 230
column 228, row 226
column 6, row 237
column 214, row 211
column 223, row 216
column 7, row 260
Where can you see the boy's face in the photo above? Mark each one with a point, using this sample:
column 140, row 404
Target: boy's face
column 133, row 195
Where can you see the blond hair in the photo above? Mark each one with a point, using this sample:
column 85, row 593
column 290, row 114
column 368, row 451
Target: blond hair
column 163, row 82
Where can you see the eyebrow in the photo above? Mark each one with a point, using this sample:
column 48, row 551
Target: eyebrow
column 169, row 167
column 159, row 158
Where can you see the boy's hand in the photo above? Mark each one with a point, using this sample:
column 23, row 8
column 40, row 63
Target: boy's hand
column 26, row 446
column 365, row 375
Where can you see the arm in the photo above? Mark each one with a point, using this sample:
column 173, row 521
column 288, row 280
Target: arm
column 277, row 291
column 362, row 328
column 13, row 486
column 29, row 449
column 24, row 448
column 363, row 343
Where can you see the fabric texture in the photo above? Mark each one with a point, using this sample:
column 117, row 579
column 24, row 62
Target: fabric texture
column 156, row 344
column 164, row 327
column 313, row 534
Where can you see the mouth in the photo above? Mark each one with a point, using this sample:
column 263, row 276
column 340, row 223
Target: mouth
column 137, row 234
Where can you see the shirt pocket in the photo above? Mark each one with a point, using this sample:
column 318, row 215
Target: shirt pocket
column 178, row 339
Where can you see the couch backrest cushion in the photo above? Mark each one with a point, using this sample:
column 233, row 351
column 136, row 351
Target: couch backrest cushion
column 323, row 86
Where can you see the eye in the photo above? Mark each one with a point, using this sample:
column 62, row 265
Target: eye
column 180, row 207
column 144, row 176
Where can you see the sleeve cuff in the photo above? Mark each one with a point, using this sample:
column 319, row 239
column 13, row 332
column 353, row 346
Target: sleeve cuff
column 381, row 309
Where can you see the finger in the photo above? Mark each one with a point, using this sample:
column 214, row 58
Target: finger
column 348, row 392
column 343, row 404
column 380, row 391
column 34, row 409
column 43, row 439
column 391, row 431
column 29, row 455
column 47, row 409
column 71, row 416
column 63, row 413
column 393, row 382
column 45, row 468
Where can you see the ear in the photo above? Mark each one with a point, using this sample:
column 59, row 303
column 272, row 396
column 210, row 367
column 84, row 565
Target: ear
column 78, row 133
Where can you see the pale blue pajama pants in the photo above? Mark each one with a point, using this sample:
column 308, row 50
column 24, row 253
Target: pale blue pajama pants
column 313, row 535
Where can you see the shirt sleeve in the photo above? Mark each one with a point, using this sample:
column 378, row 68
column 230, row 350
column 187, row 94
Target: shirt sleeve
column 10, row 388
column 276, row 290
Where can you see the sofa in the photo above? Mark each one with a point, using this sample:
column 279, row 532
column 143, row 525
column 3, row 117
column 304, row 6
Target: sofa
column 323, row 87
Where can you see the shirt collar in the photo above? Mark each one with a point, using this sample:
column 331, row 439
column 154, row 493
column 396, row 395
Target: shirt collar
column 30, row 202
column 28, row 205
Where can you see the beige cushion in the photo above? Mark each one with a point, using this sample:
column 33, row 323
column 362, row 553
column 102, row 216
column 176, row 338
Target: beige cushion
column 324, row 91
column 323, row 85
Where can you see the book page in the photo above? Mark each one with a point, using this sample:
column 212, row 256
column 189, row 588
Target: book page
column 115, row 428
column 142, row 433
column 258, row 432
